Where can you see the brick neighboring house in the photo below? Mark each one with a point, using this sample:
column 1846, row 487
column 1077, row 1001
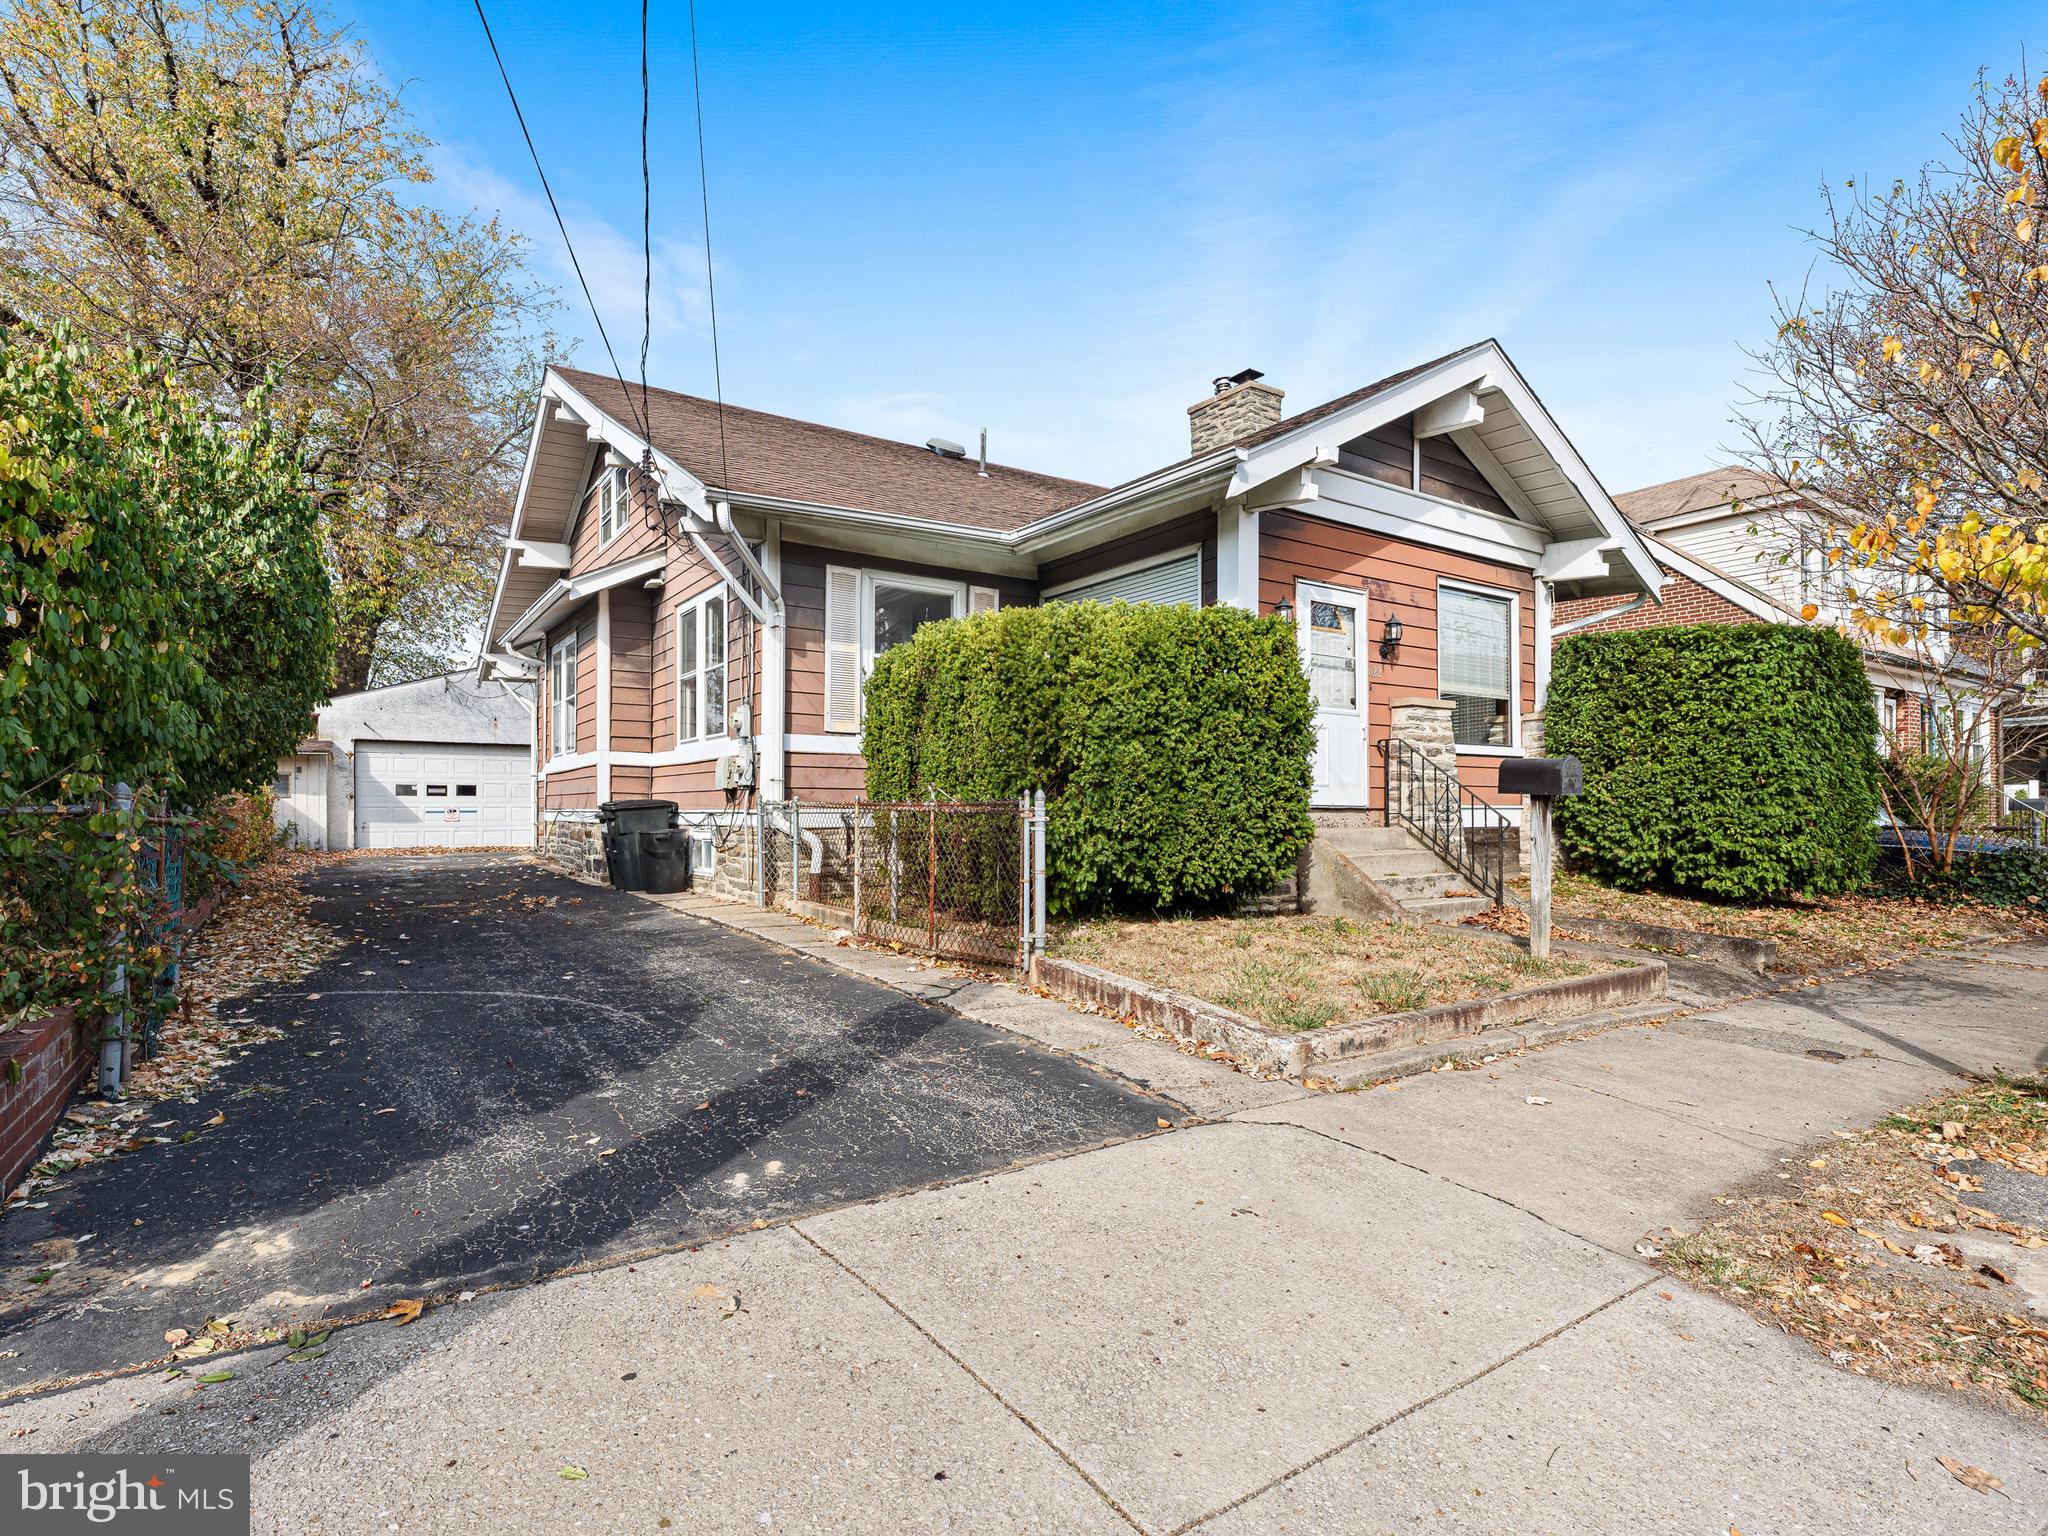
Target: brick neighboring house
column 1720, row 567
column 708, row 640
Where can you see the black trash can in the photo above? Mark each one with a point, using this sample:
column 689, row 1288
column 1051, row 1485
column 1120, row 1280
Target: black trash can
column 665, row 861
column 625, row 821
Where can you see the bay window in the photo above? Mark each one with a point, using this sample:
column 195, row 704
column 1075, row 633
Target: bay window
column 1475, row 660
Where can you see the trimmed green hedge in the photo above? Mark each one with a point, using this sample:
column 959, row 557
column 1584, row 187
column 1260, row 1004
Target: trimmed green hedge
column 1172, row 743
column 1729, row 760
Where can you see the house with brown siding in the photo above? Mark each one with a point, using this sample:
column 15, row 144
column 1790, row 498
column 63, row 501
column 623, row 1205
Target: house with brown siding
column 700, row 592
column 1736, row 549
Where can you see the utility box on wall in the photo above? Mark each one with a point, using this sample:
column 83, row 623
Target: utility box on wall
column 736, row 769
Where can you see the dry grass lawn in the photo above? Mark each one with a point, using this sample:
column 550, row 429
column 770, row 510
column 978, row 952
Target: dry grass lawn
column 1811, row 935
column 1876, row 1252
column 1305, row 972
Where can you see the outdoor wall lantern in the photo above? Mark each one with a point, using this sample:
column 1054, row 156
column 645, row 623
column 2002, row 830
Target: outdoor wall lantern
column 1390, row 638
column 1283, row 609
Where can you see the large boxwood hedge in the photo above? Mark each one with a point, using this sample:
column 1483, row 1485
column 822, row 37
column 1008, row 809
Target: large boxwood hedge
column 1172, row 743
column 1730, row 760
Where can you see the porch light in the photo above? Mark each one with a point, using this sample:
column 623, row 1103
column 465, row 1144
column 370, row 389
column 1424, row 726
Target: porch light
column 1390, row 637
column 1283, row 609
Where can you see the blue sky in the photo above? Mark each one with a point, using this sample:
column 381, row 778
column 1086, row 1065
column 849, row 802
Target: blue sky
column 1059, row 222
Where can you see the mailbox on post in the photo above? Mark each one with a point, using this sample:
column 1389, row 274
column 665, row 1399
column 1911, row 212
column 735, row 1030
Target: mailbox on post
column 1545, row 777
column 1542, row 779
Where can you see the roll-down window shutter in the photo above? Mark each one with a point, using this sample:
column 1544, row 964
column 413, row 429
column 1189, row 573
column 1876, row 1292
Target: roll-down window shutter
column 842, row 650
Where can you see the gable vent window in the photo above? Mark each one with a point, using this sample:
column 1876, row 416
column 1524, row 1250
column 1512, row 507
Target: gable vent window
column 614, row 505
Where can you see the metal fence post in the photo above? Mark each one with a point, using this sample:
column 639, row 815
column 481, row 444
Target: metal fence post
column 796, row 853
column 859, row 816
column 1038, row 871
column 760, row 851
column 114, row 1032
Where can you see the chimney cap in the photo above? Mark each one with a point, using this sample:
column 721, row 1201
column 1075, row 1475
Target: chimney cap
column 1230, row 381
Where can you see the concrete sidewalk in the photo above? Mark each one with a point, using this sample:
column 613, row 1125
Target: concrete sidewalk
column 1417, row 1306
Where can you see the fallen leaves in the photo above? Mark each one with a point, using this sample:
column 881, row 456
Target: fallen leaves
column 1970, row 1477
column 723, row 1302
column 1877, row 1257
column 407, row 1311
column 571, row 1473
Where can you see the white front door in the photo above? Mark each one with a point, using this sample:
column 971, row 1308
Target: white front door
column 1332, row 620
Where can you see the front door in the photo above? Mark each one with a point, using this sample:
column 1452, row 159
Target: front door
column 1331, row 621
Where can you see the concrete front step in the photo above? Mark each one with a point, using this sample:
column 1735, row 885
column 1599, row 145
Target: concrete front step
column 1410, row 888
column 1447, row 909
column 1381, row 862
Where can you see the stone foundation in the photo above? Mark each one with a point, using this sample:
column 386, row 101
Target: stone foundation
column 572, row 843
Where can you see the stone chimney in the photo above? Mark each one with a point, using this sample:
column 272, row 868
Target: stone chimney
column 1241, row 404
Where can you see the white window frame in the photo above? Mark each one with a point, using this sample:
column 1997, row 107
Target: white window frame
column 562, row 697
column 1128, row 568
column 614, row 506
column 1514, row 602
column 692, row 613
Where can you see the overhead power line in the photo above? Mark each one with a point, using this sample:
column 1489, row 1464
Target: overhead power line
column 710, row 282
column 562, row 225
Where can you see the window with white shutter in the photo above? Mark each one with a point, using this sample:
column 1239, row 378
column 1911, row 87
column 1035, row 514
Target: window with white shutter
column 842, row 649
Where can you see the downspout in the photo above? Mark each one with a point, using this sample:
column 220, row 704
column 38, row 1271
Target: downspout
column 1594, row 618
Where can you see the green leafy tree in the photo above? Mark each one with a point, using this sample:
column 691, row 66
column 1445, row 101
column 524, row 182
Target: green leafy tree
column 234, row 189
column 165, row 625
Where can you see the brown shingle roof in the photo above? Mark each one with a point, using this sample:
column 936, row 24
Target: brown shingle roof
column 802, row 461
column 1694, row 493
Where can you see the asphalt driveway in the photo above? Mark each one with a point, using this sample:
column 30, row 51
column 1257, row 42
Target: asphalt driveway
column 507, row 1074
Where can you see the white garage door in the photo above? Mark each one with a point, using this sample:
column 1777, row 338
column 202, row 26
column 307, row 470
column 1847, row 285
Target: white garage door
column 422, row 796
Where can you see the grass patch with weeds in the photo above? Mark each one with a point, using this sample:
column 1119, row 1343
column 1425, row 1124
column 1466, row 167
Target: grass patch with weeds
column 1306, row 972
column 1811, row 935
column 1862, row 1251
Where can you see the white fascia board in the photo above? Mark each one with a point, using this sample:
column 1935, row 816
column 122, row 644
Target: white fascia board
column 1175, row 482
column 1543, row 427
column 1721, row 584
column 1476, row 536
column 677, row 483
column 542, row 407
column 566, row 594
column 1429, row 519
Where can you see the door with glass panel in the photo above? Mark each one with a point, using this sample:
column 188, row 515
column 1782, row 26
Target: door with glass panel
column 1331, row 620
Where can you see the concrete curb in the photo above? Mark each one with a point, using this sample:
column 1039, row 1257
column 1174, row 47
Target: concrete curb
column 1753, row 954
column 1323, row 1052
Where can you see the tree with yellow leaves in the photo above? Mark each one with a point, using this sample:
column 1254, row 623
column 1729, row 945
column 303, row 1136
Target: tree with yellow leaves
column 232, row 188
column 1908, row 403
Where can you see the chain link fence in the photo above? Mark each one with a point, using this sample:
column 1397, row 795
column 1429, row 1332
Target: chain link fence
column 947, row 877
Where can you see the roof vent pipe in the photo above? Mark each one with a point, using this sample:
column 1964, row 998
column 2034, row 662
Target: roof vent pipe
column 983, row 471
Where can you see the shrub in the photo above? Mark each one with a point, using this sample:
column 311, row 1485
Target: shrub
column 165, row 624
column 1172, row 743
column 1736, row 761
column 1997, row 874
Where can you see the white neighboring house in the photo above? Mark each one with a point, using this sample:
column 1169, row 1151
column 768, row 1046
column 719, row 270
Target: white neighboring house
column 446, row 762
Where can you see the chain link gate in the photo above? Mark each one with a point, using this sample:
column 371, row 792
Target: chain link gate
column 947, row 877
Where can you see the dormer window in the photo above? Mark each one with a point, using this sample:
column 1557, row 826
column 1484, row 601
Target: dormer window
column 613, row 504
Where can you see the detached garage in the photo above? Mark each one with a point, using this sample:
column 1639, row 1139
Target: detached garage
column 446, row 762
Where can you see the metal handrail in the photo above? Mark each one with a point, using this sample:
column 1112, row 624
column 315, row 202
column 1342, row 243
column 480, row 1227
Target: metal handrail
column 1423, row 796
